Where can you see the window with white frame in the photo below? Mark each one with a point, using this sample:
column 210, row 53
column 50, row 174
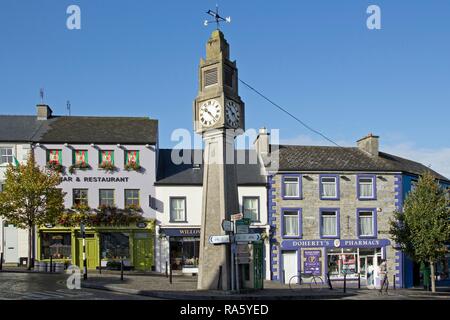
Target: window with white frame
column 329, row 223
column 6, row 155
column 291, row 187
column 132, row 198
column 251, row 208
column 366, row 226
column 329, row 187
column 106, row 197
column 291, row 223
column 366, row 187
column 178, row 209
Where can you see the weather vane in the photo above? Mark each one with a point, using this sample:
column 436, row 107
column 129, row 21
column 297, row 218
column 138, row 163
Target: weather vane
column 217, row 18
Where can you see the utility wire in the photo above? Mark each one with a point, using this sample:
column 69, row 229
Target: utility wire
column 287, row 112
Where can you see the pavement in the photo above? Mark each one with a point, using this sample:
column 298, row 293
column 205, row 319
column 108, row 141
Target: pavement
column 184, row 287
column 108, row 285
column 35, row 286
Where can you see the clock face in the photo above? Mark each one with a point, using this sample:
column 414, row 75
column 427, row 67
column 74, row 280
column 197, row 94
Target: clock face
column 233, row 114
column 210, row 112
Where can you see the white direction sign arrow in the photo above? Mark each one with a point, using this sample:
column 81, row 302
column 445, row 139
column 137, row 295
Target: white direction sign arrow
column 219, row 239
column 247, row 237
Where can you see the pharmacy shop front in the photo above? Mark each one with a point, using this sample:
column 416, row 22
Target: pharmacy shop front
column 334, row 257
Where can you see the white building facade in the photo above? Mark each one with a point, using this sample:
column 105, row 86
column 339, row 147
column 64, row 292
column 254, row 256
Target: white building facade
column 179, row 207
column 14, row 241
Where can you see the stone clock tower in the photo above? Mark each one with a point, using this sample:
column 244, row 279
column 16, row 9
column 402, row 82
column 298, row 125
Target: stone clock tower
column 218, row 117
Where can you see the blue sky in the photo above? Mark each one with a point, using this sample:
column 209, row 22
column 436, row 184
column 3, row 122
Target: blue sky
column 316, row 58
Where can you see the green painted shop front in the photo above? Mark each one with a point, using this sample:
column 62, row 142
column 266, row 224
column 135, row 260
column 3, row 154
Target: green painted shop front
column 105, row 246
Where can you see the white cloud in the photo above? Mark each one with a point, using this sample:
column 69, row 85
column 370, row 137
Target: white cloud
column 437, row 159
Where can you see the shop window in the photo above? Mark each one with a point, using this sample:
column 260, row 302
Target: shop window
column 291, row 187
column 329, row 187
column 114, row 245
column 354, row 261
column 366, row 222
column 80, row 197
column 178, row 209
column 251, row 208
column 132, row 198
column 291, row 219
column 107, row 197
column 329, row 223
column 6, row 155
column 366, row 187
column 56, row 245
column 184, row 252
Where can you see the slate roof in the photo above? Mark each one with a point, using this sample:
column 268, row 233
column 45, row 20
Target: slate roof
column 170, row 173
column 321, row 158
column 104, row 130
column 22, row 128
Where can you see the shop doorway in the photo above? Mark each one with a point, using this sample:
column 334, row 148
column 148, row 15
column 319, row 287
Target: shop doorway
column 143, row 254
column 11, row 244
column 92, row 255
column 290, row 264
column 366, row 269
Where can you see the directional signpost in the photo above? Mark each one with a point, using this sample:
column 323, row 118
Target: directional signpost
column 247, row 237
column 219, row 239
column 227, row 225
column 237, row 216
column 243, row 225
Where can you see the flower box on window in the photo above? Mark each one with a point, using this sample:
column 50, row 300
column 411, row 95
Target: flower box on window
column 107, row 166
column 79, row 166
column 55, row 166
column 132, row 166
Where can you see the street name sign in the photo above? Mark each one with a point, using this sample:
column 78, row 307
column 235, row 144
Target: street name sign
column 247, row 237
column 219, row 239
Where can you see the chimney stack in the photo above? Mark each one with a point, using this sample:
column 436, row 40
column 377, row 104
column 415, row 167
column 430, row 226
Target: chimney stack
column 44, row 112
column 369, row 144
column 262, row 142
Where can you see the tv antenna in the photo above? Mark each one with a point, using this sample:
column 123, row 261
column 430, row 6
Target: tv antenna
column 41, row 94
column 68, row 107
column 217, row 18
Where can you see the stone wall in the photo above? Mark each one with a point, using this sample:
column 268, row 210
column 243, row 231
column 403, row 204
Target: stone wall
column 348, row 203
